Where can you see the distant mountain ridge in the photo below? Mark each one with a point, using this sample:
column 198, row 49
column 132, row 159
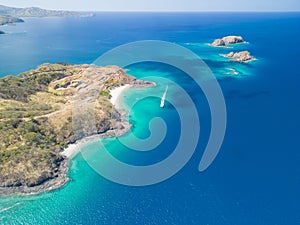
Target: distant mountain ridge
column 10, row 14
column 37, row 12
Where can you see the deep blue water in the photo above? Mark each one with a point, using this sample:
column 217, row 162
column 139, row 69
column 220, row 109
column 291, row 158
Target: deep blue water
column 255, row 179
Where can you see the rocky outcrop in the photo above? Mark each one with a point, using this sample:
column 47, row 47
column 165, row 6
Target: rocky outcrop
column 1, row 32
column 227, row 40
column 48, row 184
column 243, row 56
column 218, row 42
column 233, row 39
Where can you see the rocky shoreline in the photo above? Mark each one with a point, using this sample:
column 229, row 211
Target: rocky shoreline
column 6, row 19
column 51, row 184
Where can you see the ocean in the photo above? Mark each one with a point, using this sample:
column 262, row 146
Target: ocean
column 255, row 178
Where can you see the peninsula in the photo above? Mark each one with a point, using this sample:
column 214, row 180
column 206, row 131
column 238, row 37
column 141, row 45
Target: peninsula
column 36, row 120
column 5, row 19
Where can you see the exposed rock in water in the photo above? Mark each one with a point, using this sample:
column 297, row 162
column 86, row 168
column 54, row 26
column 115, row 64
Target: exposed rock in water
column 233, row 39
column 218, row 42
column 1, row 32
column 243, row 56
column 227, row 40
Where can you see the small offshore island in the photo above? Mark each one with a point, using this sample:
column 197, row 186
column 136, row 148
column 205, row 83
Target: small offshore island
column 36, row 120
column 242, row 56
column 224, row 41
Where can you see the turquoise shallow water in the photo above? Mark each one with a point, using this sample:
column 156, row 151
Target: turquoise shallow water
column 254, row 179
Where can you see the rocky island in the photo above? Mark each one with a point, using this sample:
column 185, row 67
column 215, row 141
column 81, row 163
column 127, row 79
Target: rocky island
column 222, row 42
column 36, row 120
column 243, row 56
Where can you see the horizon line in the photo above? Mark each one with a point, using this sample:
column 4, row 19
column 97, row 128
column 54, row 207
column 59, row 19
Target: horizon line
column 171, row 11
column 162, row 11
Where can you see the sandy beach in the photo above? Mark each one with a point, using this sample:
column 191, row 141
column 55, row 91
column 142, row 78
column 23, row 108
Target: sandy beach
column 115, row 94
column 73, row 149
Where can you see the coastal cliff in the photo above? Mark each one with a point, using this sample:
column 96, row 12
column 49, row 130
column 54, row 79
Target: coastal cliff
column 36, row 120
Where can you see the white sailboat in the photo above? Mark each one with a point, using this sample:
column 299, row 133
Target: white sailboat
column 163, row 98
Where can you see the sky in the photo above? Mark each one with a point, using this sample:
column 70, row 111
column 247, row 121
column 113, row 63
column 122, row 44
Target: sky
column 160, row 5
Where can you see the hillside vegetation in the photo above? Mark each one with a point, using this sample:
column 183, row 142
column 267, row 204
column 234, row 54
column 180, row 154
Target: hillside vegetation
column 36, row 117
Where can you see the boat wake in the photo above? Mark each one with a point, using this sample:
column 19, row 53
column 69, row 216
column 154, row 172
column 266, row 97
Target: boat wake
column 163, row 98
